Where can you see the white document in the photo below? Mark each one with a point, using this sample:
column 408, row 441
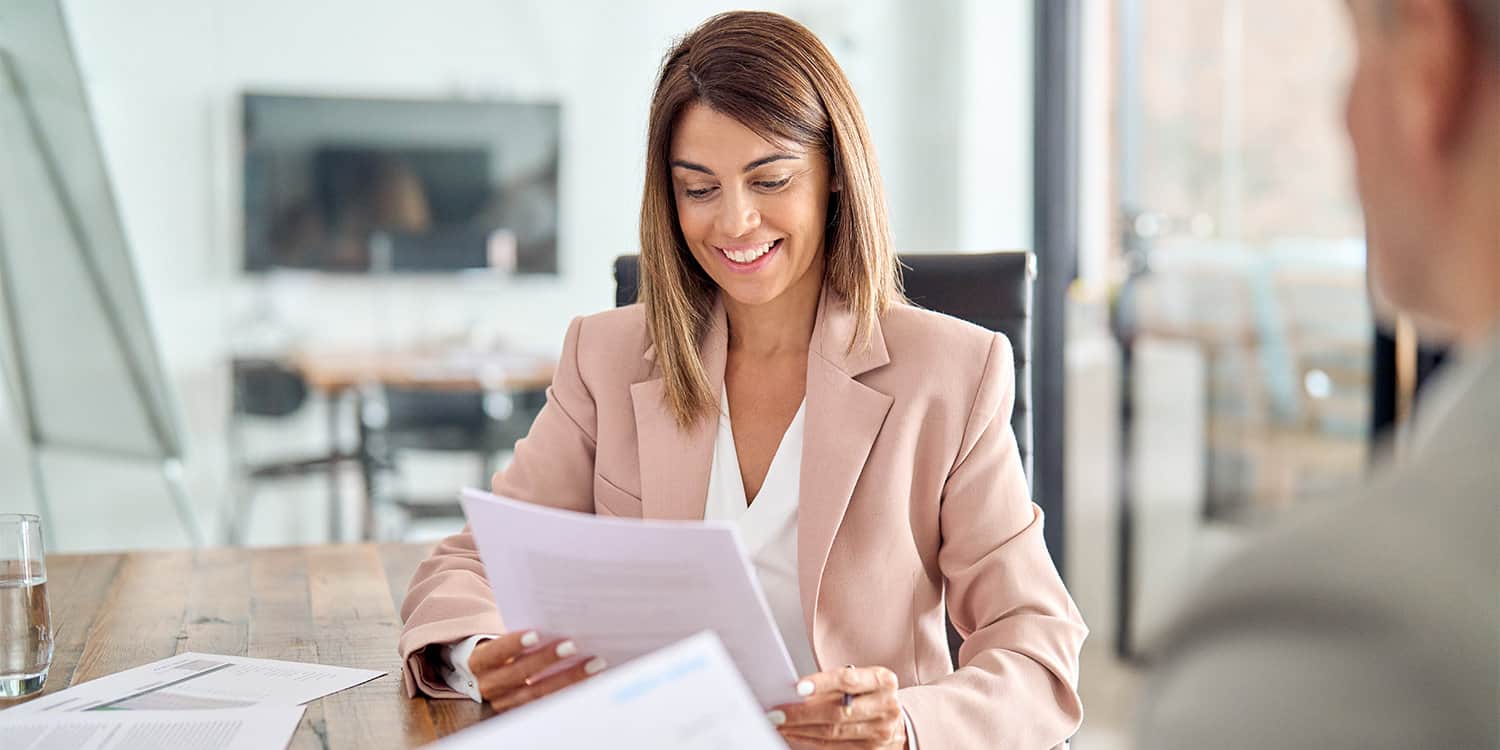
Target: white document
column 685, row 697
column 256, row 728
column 202, row 682
column 622, row 588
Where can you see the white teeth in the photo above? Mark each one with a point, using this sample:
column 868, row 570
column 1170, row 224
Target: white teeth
column 748, row 256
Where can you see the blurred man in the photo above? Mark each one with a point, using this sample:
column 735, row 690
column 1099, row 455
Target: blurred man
column 1375, row 623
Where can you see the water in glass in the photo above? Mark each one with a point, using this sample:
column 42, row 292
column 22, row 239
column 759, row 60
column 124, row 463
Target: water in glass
column 25, row 623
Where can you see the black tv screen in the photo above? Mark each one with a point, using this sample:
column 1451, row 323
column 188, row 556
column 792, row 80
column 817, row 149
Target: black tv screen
column 355, row 185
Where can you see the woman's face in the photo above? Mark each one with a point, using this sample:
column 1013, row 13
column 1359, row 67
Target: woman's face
column 753, row 212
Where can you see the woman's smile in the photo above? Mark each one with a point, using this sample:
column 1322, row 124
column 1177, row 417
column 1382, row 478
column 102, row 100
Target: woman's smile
column 748, row 258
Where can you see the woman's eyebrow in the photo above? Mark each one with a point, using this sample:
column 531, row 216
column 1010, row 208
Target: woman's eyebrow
column 694, row 167
column 764, row 160
column 761, row 162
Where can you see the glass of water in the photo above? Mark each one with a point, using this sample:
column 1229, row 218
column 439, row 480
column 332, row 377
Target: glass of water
column 25, row 624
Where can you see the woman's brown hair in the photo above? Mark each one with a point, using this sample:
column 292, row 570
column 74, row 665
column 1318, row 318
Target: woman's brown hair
column 773, row 75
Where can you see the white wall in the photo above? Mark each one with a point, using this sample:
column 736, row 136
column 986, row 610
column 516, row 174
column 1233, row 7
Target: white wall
column 946, row 87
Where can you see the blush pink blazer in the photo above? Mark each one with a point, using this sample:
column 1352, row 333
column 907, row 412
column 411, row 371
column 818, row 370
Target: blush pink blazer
column 912, row 488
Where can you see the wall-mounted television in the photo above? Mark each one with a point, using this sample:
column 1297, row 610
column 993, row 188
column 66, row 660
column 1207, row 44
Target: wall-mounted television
column 358, row 185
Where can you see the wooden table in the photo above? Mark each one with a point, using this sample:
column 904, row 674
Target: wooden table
column 440, row 370
column 332, row 604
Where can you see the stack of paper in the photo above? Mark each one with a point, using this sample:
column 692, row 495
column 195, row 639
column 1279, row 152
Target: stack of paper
column 254, row 728
column 190, row 700
column 201, row 681
column 624, row 588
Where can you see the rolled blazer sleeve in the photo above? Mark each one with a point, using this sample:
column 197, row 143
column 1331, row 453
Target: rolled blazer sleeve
column 1017, row 682
column 449, row 597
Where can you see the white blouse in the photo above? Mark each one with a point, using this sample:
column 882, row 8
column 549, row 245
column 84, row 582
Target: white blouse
column 768, row 527
column 769, row 530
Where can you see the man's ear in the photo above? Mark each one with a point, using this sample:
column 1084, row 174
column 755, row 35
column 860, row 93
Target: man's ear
column 1433, row 56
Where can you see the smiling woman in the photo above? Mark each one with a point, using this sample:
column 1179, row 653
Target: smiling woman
column 773, row 376
column 771, row 209
column 761, row 89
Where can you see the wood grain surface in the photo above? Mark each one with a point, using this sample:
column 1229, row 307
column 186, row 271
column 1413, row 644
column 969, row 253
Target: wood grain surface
column 334, row 604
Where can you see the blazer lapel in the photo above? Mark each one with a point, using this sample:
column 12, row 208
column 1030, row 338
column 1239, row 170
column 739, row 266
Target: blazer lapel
column 844, row 416
column 675, row 463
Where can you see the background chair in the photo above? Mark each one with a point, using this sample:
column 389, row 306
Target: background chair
column 397, row 420
column 991, row 290
column 266, row 389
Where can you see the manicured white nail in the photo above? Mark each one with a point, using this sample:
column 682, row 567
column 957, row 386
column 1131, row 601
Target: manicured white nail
column 805, row 688
column 530, row 639
column 777, row 718
column 566, row 649
column 595, row 666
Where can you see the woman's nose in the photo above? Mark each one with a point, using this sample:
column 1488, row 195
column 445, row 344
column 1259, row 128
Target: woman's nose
column 737, row 214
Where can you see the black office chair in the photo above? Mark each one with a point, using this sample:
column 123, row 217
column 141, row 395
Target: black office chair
column 266, row 388
column 992, row 290
column 393, row 420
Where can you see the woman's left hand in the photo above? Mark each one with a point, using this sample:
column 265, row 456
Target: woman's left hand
column 872, row 718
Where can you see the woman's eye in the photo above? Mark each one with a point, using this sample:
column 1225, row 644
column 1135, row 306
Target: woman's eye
column 698, row 193
column 773, row 184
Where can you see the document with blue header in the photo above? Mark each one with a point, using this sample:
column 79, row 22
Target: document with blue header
column 684, row 697
column 622, row 588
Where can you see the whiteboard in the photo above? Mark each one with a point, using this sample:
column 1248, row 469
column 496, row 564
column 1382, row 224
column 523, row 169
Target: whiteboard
column 88, row 373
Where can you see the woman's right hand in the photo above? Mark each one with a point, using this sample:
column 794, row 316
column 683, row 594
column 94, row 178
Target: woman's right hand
column 504, row 668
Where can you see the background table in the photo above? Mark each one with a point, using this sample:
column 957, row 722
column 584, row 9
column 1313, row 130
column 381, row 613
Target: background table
column 336, row 374
column 335, row 604
column 435, row 369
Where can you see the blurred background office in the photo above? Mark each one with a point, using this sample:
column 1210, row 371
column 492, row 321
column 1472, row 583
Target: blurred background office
column 359, row 230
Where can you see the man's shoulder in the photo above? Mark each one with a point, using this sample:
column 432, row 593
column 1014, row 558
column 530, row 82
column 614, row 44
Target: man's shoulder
column 1409, row 542
column 1369, row 622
